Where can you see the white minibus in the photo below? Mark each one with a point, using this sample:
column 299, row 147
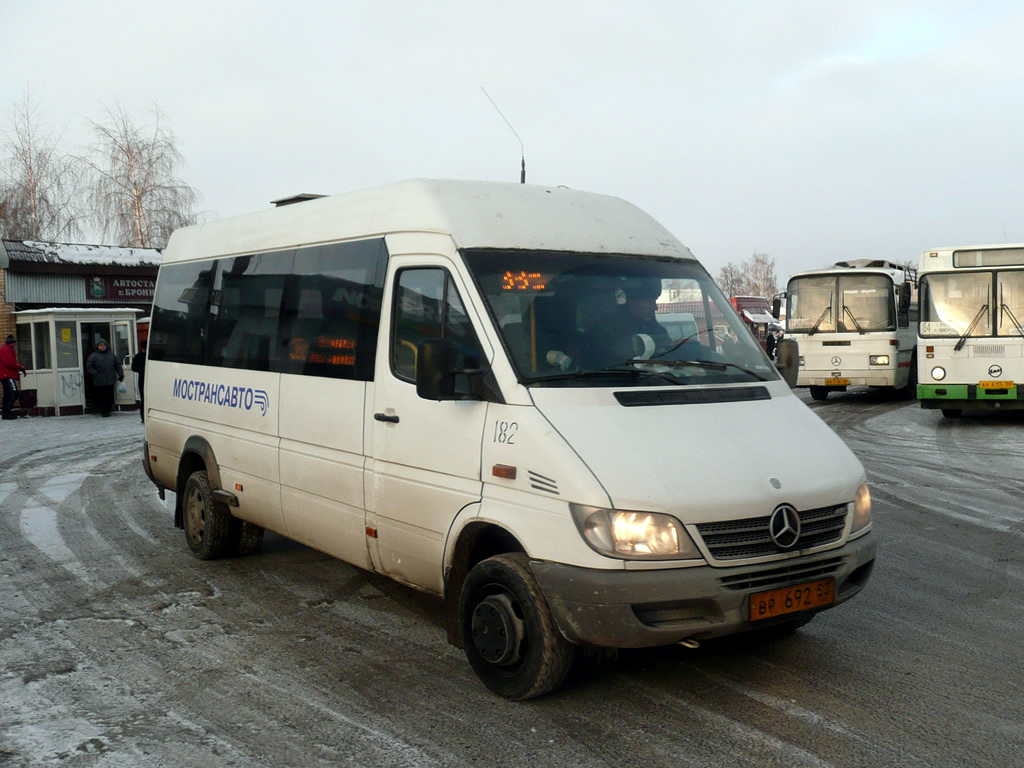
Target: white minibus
column 465, row 386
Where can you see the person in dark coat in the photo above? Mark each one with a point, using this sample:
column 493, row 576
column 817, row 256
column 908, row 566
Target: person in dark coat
column 10, row 371
column 106, row 370
column 139, row 367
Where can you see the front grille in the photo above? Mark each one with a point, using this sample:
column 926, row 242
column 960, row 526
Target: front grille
column 769, row 578
column 740, row 539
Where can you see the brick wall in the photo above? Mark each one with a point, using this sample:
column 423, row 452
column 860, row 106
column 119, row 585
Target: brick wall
column 6, row 310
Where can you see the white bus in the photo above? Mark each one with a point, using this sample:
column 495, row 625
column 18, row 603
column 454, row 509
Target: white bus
column 856, row 325
column 464, row 386
column 972, row 328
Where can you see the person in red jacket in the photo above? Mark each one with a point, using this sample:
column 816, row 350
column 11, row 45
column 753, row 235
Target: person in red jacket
column 10, row 371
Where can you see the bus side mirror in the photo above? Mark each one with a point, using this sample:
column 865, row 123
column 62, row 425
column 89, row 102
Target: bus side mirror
column 776, row 307
column 787, row 356
column 904, row 297
column 436, row 372
column 435, row 369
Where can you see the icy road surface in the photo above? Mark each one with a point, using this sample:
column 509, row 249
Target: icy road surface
column 117, row 648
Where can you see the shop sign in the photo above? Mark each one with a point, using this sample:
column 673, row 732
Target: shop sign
column 107, row 288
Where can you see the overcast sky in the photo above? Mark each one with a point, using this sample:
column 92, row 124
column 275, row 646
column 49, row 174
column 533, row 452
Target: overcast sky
column 810, row 131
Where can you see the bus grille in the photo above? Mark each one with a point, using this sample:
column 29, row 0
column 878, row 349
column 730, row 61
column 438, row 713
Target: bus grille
column 740, row 539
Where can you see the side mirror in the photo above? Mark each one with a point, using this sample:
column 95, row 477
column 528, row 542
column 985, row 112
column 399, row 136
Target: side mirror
column 435, row 369
column 776, row 307
column 787, row 355
column 904, row 304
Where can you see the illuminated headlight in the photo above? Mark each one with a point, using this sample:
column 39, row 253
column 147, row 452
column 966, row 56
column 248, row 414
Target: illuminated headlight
column 938, row 373
column 634, row 535
column 878, row 359
column 801, row 361
column 861, row 508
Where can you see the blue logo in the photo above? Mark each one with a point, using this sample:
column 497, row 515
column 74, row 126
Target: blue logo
column 223, row 395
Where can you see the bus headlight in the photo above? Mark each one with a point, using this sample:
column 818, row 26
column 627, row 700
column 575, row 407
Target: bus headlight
column 633, row 535
column 938, row 373
column 861, row 508
column 878, row 359
column 801, row 361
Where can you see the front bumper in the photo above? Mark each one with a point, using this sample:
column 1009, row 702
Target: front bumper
column 639, row 609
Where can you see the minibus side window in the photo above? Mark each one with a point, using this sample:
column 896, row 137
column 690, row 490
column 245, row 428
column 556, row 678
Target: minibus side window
column 428, row 306
column 332, row 310
column 180, row 309
column 245, row 311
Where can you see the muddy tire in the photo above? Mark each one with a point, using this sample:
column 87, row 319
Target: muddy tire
column 210, row 530
column 819, row 393
column 508, row 631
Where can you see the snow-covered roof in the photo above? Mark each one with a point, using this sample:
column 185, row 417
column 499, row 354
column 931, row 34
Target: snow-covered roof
column 74, row 253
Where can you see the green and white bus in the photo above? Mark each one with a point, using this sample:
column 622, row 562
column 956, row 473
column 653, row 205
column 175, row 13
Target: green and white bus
column 971, row 337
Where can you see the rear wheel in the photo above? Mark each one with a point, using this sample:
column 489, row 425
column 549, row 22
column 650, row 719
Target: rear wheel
column 819, row 393
column 210, row 529
column 508, row 631
column 952, row 413
column 250, row 539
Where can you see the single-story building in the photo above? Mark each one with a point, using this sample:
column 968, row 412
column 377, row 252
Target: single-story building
column 58, row 299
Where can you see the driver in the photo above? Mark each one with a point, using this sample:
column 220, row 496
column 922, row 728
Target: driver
column 619, row 335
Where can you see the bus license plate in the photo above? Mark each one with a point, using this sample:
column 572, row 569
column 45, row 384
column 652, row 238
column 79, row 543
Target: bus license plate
column 777, row 602
column 837, row 382
column 995, row 384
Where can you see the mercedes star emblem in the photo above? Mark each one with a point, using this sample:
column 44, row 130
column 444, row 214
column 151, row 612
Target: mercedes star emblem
column 784, row 526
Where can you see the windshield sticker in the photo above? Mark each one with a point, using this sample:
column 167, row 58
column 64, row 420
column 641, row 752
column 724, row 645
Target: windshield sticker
column 224, row 395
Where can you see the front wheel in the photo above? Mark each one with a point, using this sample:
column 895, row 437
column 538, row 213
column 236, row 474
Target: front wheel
column 508, row 631
column 819, row 393
column 210, row 529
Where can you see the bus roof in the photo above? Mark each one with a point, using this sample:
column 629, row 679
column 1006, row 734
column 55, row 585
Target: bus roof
column 476, row 215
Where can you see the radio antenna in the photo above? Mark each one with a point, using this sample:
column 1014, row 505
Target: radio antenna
column 522, row 152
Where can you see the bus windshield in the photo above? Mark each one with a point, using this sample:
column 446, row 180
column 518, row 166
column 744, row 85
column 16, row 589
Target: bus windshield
column 830, row 303
column 583, row 320
column 961, row 304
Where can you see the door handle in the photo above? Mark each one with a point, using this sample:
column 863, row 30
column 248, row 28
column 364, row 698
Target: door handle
column 385, row 417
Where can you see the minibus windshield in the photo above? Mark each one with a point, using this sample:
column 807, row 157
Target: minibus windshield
column 588, row 320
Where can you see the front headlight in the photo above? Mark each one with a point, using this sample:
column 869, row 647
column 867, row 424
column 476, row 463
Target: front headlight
column 634, row 535
column 938, row 373
column 861, row 508
column 878, row 359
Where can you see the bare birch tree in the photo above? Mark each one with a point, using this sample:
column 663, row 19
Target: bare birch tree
column 136, row 197
column 754, row 277
column 40, row 189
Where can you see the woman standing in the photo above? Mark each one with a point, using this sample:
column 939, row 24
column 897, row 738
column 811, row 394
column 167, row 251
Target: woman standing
column 106, row 370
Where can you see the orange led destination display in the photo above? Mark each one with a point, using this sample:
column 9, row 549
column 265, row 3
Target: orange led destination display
column 523, row 281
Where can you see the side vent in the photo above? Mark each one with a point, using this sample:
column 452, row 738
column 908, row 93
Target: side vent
column 541, row 483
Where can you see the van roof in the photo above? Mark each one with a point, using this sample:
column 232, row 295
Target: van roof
column 477, row 214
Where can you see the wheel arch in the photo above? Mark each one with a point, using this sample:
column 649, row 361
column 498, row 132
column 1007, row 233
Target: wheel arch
column 196, row 455
column 476, row 542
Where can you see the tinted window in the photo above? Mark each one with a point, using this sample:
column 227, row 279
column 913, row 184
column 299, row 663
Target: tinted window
column 332, row 310
column 311, row 311
column 180, row 308
column 245, row 311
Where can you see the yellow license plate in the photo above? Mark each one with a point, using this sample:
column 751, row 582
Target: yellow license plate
column 837, row 382
column 995, row 384
column 777, row 602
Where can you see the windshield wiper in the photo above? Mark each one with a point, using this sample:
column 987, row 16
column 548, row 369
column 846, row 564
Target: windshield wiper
column 710, row 364
column 817, row 323
column 959, row 345
column 848, row 311
column 1004, row 308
